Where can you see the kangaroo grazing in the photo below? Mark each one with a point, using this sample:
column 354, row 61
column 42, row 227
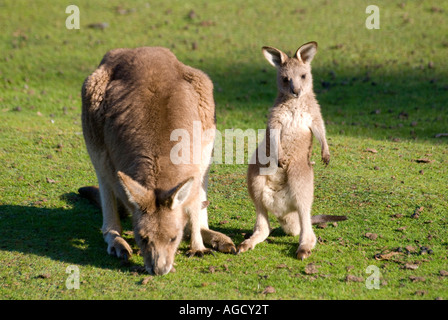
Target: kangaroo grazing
column 288, row 193
column 130, row 106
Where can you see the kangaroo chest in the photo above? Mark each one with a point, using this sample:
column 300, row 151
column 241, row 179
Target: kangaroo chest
column 295, row 122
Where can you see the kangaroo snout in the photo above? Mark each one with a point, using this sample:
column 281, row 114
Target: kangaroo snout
column 157, row 271
column 158, row 266
column 295, row 90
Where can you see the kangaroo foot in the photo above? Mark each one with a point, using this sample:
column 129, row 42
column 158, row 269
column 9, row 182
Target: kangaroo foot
column 218, row 241
column 303, row 253
column 226, row 247
column 307, row 243
column 199, row 253
column 117, row 246
column 245, row 246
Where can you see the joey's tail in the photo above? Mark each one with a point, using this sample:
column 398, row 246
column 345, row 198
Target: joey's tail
column 326, row 218
column 91, row 193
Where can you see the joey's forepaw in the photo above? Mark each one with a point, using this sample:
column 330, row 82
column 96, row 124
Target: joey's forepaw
column 326, row 158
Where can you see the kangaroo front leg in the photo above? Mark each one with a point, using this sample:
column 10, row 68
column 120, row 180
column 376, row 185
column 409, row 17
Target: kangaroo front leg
column 111, row 228
column 261, row 230
column 217, row 240
column 196, row 243
column 318, row 129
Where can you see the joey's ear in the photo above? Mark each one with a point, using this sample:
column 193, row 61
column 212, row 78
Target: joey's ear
column 180, row 193
column 306, row 52
column 274, row 56
column 135, row 192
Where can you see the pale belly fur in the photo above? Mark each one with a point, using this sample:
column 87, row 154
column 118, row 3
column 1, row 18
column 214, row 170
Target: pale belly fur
column 276, row 194
column 277, row 198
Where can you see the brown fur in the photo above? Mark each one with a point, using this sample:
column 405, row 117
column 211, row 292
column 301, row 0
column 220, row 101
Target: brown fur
column 288, row 193
column 131, row 104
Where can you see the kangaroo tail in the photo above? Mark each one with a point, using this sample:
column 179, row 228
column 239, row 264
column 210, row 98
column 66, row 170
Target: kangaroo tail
column 91, row 193
column 326, row 218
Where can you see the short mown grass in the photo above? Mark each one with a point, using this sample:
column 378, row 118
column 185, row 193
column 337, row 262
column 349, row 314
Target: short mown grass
column 384, row 97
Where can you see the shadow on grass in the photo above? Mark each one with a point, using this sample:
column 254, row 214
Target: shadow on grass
column 66, row 235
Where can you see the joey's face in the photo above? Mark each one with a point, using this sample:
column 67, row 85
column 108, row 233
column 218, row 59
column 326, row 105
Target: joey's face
column 294, row 78
column 293, row 73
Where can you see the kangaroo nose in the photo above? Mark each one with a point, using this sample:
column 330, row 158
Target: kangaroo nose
column 295, row 91
column 162, row 270
column 158, row 270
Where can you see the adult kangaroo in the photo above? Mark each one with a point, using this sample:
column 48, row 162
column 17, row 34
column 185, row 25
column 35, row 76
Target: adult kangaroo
column 131, row 105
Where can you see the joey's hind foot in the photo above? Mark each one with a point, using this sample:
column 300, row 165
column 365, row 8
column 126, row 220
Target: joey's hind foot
column 246, row 245
column 303, row 253
column 305, row 246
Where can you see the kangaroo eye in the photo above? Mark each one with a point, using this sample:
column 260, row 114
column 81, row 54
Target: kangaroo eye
column 173, row 239
column 285, row 79
column 303, row 76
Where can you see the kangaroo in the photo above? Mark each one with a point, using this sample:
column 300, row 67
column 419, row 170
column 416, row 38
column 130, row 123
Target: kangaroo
column 288, row 193
column 131, row 104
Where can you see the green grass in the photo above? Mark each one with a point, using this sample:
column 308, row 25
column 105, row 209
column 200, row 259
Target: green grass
column 383, row 89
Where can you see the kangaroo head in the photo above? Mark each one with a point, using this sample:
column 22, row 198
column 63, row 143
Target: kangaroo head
column 158, row 221
column 293, row 74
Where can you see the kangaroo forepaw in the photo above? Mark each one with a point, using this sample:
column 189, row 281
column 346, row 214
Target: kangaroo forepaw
column 326, row 158
column 120, row 248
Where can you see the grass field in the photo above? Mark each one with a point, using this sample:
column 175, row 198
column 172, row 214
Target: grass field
column 383, row 94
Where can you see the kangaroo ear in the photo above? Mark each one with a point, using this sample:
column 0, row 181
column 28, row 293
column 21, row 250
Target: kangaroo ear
column 306, row 52
column 274, row 56
column 135, row 192
column 180, row 193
